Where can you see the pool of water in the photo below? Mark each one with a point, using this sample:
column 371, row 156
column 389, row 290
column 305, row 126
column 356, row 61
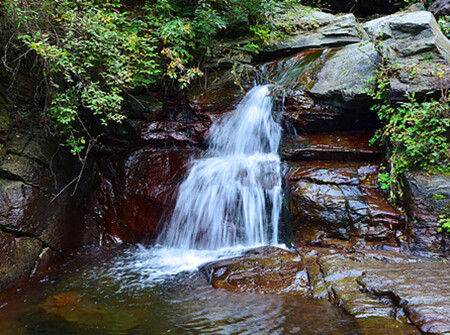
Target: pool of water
column 135, row 290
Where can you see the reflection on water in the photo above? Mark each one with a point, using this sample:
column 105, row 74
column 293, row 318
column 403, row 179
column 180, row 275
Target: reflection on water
column 107, row 291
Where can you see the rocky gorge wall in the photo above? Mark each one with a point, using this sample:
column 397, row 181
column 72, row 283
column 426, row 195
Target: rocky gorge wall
column 334, row 198
column 36, row 228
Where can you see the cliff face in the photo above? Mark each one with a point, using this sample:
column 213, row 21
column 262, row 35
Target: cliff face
column 35, row 227
column 131, row 180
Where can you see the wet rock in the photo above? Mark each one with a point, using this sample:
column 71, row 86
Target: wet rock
column 295, row 73
column 382, row 285
column 338, row 146
column 262, row 270
column 304, row 114
column 340, row 205
column 415, row 45
column 19, row 256
column 75, row 307
column 339, row 31
column 426, row 196
column 344, row 77
column 222, row 92
column 298, row 73
column 136, row 189
column 172, row 133
column 29, row 215
column 421, row 290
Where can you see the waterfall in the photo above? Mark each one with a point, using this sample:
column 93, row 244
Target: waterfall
column 232, row 196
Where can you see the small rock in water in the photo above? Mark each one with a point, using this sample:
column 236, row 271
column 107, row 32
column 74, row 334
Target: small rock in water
column 261, row 270
column 75, row 307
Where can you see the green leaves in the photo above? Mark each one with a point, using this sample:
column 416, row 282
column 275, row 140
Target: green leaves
column 415, row 133
column 94, row 51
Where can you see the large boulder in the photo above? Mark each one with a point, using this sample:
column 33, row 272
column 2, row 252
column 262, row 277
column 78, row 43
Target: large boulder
column 344, row 77
column 415, row 45
column 374, row 285
column 299, row 74
column 340, row 205
column 426, row 197
column 411, row 42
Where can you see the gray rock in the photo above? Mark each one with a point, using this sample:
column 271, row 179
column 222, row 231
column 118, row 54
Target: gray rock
column 397, row 288
column 345, row 76
column 420, row 289
column 338, row 31
column 412, row 42
column 415, row 45
column 410, row 34
column 425, row 199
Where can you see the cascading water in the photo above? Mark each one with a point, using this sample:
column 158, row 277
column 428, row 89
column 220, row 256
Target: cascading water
column 229, row 202
column 232, row 196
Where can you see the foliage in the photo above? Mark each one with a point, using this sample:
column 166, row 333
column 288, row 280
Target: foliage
column 444, row 220
column 444, row 23
column 415, row 133
column 94, row 52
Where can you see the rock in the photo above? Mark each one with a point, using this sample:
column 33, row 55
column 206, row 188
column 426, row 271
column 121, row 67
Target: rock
column 340, row 205
column 299, row 73
column 223, row 91
column 344, row 76
column 263, row 270
column 137, row 189
column 81, row 311
column 374, row 285
column 339, row 31
column 425, row 199
column 412, row 42
column 19, row 256
column 420, row 289
column 337, row 146
column 354, row 281
column 30, row 218
column 75, row 307
column 409, row 35
column 305, row 115
column 172, row 133
column 415, row 45
column 440, row 8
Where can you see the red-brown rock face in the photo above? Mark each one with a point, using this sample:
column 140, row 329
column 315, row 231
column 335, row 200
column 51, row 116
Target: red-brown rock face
column 332, row 202
column 137, row 189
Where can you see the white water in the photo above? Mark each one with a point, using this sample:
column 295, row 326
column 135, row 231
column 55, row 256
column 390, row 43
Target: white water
column 230, row 200
column 233, row 196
